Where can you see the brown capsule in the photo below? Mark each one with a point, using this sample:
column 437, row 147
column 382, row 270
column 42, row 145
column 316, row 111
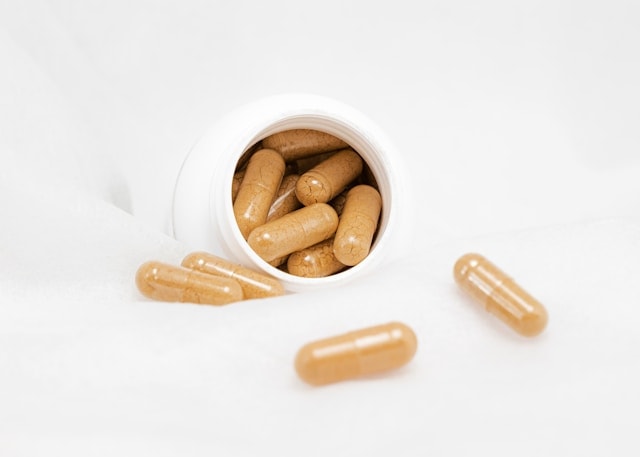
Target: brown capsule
column 279, row 261
column 160, row 281
column 286, row 200
column 328, row 178
column 259, row 186
column 358, row 353
column 358, row 223
column 299, row 143
column 316, row 261
column 500, row 295
column 235, row 184
column 254, row 284
column 307, row 163
column 294, row 231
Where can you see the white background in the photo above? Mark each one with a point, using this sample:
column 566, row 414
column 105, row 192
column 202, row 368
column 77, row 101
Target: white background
column 520, row 122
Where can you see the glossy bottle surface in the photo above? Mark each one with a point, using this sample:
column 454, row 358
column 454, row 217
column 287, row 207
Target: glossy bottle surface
column 500, row 295
column 254, row 284
column 358, row 353
column 259, row 186
column 358, row 223
column 329, row 178
column 164, row 282
column 294, row 231
column 299, row 143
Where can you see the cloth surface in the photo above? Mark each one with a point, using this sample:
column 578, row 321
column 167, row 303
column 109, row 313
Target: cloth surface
column 520, row 125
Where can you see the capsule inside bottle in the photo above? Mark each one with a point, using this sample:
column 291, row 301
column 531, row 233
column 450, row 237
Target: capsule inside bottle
column 257, row 190
column 300, row 143
column 294, row 231
column 355, row 354
column 500, row 295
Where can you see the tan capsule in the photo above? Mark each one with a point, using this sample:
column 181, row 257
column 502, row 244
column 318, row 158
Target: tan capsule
column 285, row 200
column 299, row 143
column 235, row 184
column 254, row 284
column 328, row 178
column 358, row 223
column 294, row 231
column 316, row 261
column 258, row 189
column 354, row 354
column 160, row 281
column 279, row 261
column 307, row 163
column 500, row 295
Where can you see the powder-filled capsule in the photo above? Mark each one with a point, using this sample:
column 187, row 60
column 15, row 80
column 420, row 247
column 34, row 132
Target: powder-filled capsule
column 285, row 200
column 329, row 177
column 358, row 353
column 254, row 284
column 294, row 231
column 307, row 163
column 299, row 143
column 261, row 181
column 235, row 184
column 500, row 295
column 316, row 261
column 164, row 282
column 358, row 223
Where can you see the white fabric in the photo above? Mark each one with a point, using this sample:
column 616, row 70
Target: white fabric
column 520, row 123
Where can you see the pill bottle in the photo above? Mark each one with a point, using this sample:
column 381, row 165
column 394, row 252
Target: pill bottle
column 202, row 212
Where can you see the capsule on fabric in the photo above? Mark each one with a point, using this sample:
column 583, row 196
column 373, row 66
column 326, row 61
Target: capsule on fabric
column 500, row 295
column 253, row 283
column 358, row 353
column 164, row 282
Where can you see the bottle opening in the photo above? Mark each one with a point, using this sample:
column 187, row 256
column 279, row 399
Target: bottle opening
column 290, row 136
column 203, row 210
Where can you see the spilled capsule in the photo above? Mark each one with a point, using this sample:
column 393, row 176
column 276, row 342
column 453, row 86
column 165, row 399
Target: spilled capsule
column 358, row 353
column 254, row 284
column 500, row 295
column 160, row 281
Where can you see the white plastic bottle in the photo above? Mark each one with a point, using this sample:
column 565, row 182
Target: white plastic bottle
column 202, row 214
